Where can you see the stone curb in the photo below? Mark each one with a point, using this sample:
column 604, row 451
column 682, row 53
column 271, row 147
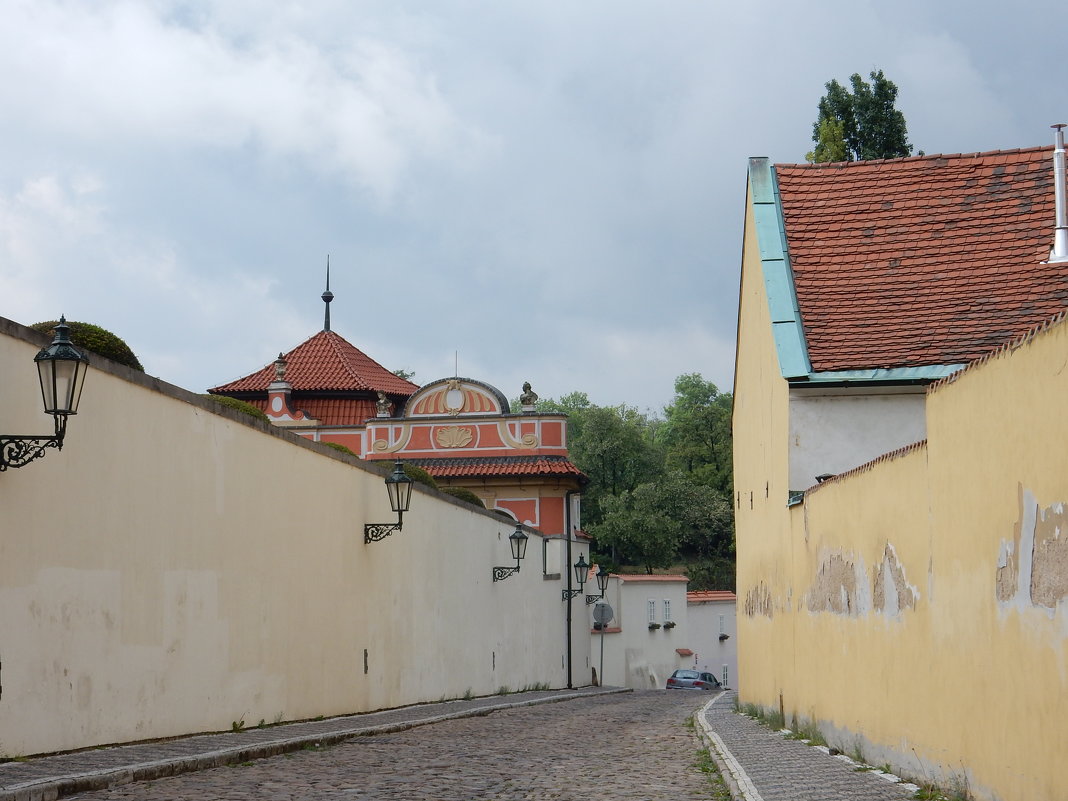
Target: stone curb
column 733, row 775
column 60, row 786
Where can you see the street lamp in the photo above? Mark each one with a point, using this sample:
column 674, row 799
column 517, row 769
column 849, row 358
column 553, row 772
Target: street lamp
column 602, row 585
column 399, row 487
column 61, row 372
column 518, row 541
column 582, row 570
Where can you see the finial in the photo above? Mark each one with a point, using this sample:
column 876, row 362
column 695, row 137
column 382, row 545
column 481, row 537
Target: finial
column 328, row 295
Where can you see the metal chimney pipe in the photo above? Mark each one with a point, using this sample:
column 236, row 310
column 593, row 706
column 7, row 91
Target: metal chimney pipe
column 1060, row 234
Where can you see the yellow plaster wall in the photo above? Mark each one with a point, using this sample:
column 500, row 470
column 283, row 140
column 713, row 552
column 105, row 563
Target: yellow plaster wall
column 173, row 570
column 964, row 685
column 761, row 474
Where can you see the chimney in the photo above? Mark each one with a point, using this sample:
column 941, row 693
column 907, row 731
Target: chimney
column 1060, row 234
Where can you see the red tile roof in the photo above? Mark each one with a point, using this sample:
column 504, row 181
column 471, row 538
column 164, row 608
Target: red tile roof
column 326, row 362
column 330, row 411
column 927, row 260
column 489, row 466
column 700, row 596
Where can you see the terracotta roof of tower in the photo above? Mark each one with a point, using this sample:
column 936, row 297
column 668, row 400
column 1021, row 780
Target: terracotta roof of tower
column 920, row 261
column 326, row 362
column 489, row 466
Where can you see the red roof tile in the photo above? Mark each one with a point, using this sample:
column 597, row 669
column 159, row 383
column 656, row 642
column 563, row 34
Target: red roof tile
column 927, row 260
column 487, row 466
column 326, row 362
column 700, row 596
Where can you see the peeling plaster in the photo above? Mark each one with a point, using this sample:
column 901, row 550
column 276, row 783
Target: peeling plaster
column 891, row 592
column 839, row 587
column 1032, row 567
column 758, row 601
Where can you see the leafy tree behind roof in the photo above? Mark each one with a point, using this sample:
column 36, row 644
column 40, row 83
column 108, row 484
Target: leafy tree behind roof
column 860, row 125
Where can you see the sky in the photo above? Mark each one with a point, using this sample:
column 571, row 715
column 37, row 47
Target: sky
column 549, row 192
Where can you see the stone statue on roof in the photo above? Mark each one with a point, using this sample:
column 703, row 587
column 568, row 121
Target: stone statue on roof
column 382, row 404
column 528, row 398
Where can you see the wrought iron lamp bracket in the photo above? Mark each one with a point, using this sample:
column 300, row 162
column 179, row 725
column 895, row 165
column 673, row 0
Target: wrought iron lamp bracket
column 567, row 595
column 592, row 599
column 18, row 451
column 373, row 532
column 501, row 573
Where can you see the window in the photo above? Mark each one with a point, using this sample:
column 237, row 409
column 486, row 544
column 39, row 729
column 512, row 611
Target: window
column 667, row 610
column 722, row 624
column 652, row 610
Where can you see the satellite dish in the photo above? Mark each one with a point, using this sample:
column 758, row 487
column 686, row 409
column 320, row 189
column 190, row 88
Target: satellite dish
column 602, row 613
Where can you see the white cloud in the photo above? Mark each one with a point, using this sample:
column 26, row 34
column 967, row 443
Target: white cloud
column 116, row 75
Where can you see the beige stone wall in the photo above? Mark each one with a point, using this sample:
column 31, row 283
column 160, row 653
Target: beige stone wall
column 176, row 569
column 917, row 609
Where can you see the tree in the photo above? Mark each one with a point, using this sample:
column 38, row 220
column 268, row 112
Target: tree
column 859, row 125
column 653, row 523
column 696, row 432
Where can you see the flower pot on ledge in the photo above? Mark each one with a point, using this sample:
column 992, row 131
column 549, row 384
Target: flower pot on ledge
column 670, row 624
column 654, row 626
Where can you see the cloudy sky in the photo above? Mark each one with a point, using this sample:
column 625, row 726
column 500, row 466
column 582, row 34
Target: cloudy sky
column 551, row 190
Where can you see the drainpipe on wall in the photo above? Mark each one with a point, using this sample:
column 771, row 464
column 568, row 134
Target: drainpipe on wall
column 1060, row 234
column 567, row 570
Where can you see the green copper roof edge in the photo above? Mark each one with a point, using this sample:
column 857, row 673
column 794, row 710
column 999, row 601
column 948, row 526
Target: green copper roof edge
column 927, row 372
column 778, row 276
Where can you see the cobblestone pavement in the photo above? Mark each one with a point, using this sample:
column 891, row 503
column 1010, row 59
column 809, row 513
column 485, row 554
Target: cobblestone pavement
column 599, row 744
column 620, row 746
column 766, row 765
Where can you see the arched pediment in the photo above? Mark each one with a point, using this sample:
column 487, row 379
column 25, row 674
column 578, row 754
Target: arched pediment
column 456, row 397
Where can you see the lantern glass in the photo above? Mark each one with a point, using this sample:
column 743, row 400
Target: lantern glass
column 602, row 579
column 518, row 541
column 399, row 487
column 582, row 571
column 61, row 371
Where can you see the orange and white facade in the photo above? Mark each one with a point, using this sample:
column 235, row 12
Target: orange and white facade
column 461, row 431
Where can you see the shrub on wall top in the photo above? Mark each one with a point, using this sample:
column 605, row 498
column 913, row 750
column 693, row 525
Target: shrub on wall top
column 96, row 340
column 464, row 494
column 241, row 406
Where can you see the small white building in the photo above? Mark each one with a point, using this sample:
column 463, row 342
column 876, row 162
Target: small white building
column 647, row 638
column 711, row 626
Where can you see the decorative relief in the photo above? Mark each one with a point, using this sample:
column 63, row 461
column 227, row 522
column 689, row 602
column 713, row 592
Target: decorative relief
column 454, row 437
column 528, row 440
column 383, row 446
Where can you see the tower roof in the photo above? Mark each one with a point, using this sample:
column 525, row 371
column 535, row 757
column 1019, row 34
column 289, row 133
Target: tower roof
column 325, row 362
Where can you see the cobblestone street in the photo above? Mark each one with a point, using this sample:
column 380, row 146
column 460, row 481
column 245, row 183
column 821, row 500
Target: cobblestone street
column 625, row 746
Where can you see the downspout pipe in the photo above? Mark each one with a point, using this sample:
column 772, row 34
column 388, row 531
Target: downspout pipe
column 1060, row 234
column 567, row 569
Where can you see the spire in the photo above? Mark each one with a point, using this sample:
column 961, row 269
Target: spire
column 328, row 295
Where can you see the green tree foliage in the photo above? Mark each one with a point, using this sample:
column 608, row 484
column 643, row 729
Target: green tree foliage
column 660, row 489
column 696, row 432
column 95, row 339
column 655, row 522
column 859, row 125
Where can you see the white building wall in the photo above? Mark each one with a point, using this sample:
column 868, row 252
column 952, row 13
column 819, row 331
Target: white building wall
column 175, row 569
column 636, row 656
column 834, row 430
column 707, row 621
